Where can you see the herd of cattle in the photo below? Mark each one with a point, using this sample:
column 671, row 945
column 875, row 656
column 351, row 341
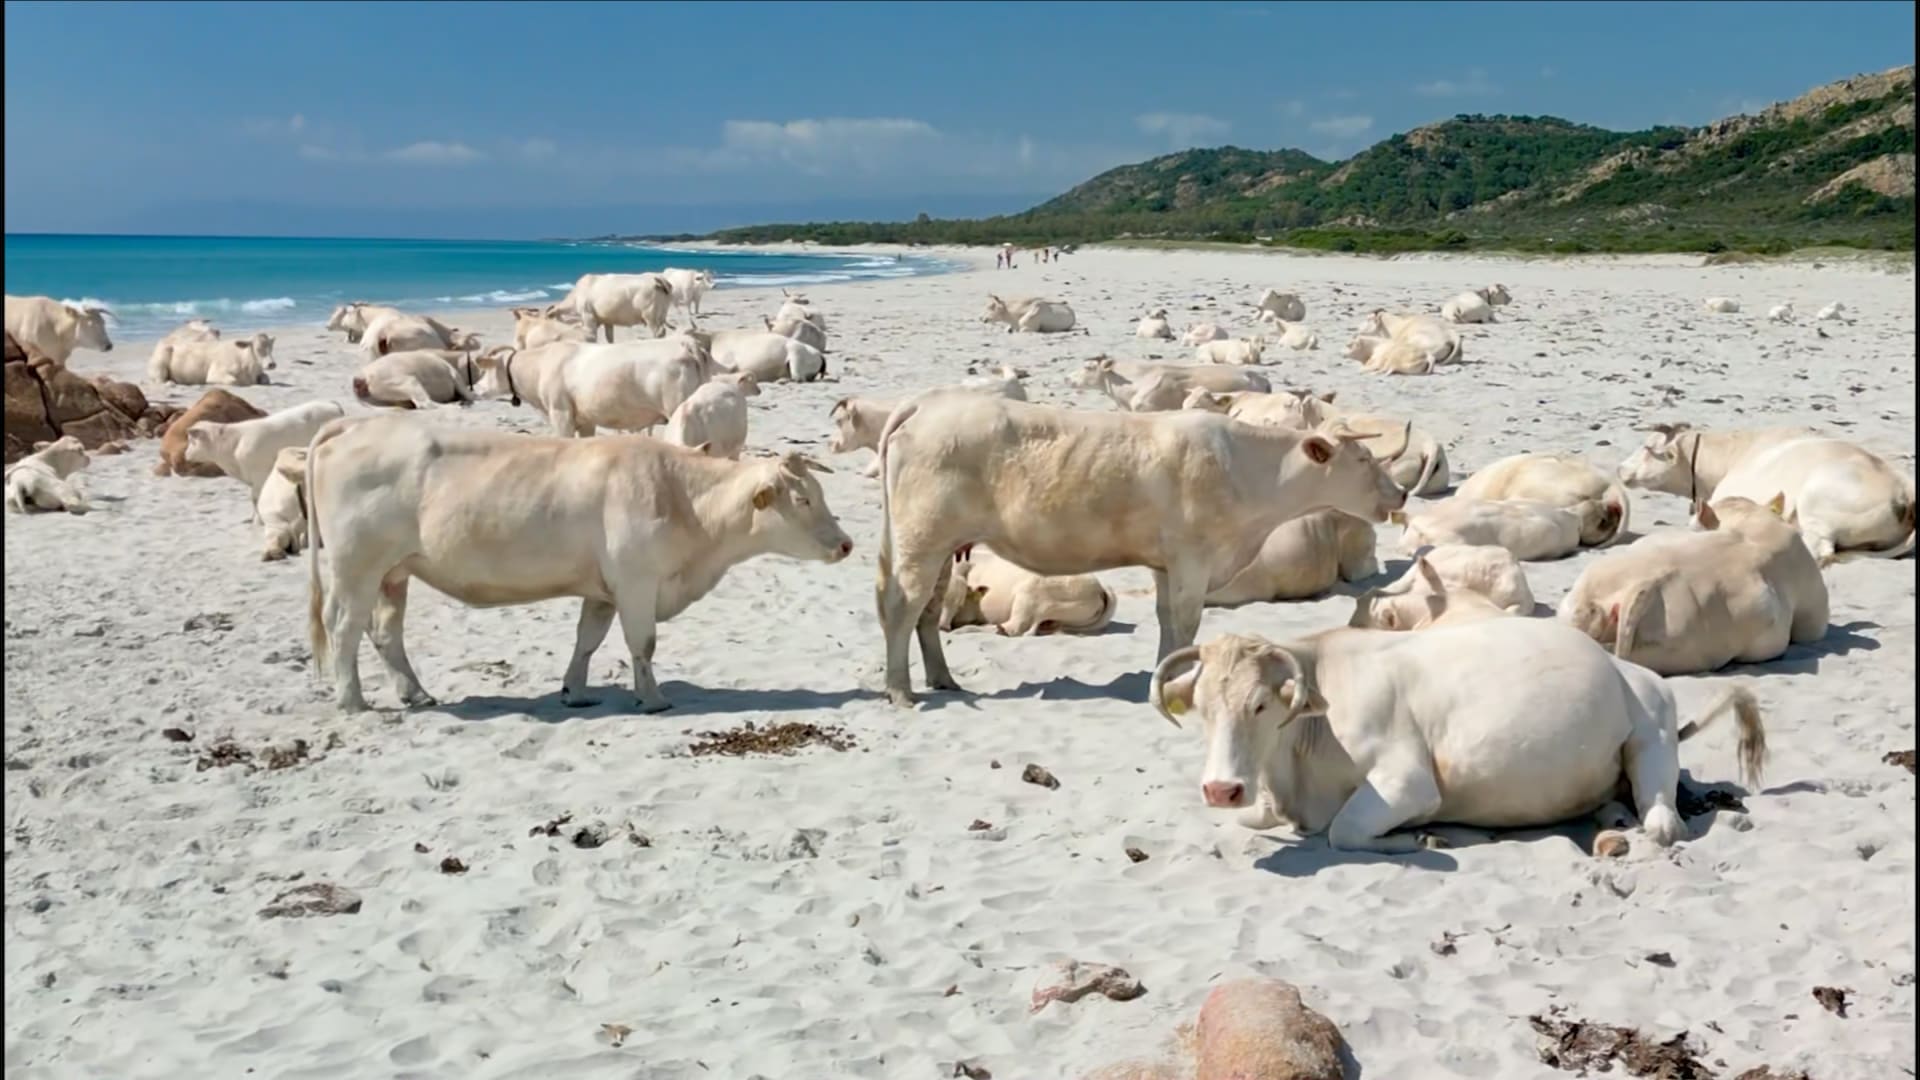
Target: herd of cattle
column 996, row 511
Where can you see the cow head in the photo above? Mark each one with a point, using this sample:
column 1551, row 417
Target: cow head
column 996, row 310
column 1412, row 601
column 1093, row 374
column 90, row 327
column 1206, row 401
column 790, row 512
column 1664, row 462
column 1362, row 347
column 1245, row 690
column 1744, row 517
column 203, row 438
column 63, row 455
column 1345, row 475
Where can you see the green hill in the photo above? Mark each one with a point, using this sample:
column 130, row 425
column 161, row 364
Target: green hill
column 1834, row 166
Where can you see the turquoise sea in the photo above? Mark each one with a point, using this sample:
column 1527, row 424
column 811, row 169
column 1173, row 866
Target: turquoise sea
column 152, row 283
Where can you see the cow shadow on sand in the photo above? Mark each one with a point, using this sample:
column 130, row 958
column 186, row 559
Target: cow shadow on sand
column 688, row 700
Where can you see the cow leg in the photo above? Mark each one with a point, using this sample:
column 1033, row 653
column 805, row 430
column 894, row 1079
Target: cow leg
column 933, row 655
column 1264, row 813
column 411, row 389
column 1179, row 598
column 596, row 617
column 1651, row 760
column 904, row 596
column 635, row 602
column 1394, row 793
column 348, row 613
column 1023, row 619
column 389, row 639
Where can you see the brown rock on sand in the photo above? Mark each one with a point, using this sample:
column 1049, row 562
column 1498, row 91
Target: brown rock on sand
column 1071, row 980
column 44, row 402
column 220, row 406
column 1257, row 1029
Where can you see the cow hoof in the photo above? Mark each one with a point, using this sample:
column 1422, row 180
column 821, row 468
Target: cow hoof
column 353, row 706
column 946, row 684
column 421, row 700
column 577, row 701
column 653, row 706
column 900, row 698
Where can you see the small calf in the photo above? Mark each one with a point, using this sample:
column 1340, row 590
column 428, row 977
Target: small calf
column 39, row 480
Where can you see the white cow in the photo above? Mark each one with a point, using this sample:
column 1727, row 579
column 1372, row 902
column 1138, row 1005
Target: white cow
column 191, row 330
column 1423, row 335
column 532, row 328
column 767, row 356
column 1154, row 326
column 1005, row 381
column 40, row 481
column 688, row 287
column 50, row 330
column 1495, row 294
column 1201, row 333
column 1845, row 499
column 796, row 306
column 243, row 362
column 352, row 319
column 282, row 506
column 401, row 332
column 604, row 301
column 858, row 421
column 1285, row 306
column 1292, row 335
column 1030, row 314
column 417, row 378
column 1467, row 307
column 805, row 331
column 1684, row 603
column 1780, row 313
column 1239, row 351
column 1488, row 722
column 1384, row 356
column 1722, row 305
column 246, row 449
column 1835, row 310
column 986, row 590
column 713, row 419
column 1303, row 558
column 1480, row 582
column 1558, row 480
column 1161, row 387
column 580, row 388
column 1057, row 491
column 630, row 525
column 1413, row 457
column 1531, row 530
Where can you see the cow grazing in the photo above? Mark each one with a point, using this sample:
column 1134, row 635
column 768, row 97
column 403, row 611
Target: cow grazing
column 630, row 525
column 986, row 590
column 49, row 330
column 1359, row 733
column 1682, row 603
column 1847, row 501
column 41, row 480
column 1190, row 495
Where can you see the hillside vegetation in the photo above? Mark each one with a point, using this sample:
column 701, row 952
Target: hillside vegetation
column 1832, row 167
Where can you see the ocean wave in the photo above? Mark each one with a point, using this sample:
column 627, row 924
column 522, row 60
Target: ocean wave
column 263, row 307
column 502, row 296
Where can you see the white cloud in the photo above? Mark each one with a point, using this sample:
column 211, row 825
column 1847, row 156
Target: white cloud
column 1342, row 127
column 1295, row 108
column 434, row 152
column 1182, row 129
column 1473, row 84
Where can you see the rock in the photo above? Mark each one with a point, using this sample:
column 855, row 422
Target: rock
column 1833, row 999
column 1257, row 1029
column 219, row 405
column 314, row 899
column 804, row 844
column 45, row 402
column 1611, row 844
column 1071, row 980
column 1034, row 774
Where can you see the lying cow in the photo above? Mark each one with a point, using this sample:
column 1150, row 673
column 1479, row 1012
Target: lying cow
column 401, row 332
column 1683, row 603
column 1532, row 531
column 1303, row 558
column 1558, row 480
column 533, row 328
column 986, row 590
column 492, row 519
column 282, row 505
column 352, row 319
column 243, row 362
column 1030, row 315
column 417, row 379
column 40, row 481
column 713, row 419
column 1161, row 387
column 1423, row 597
column 1845, row 499
column 1496, row 723
column 1188, row 494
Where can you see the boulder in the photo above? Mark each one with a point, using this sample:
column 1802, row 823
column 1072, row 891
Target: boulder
column 44, row 402
column 1257, row 1029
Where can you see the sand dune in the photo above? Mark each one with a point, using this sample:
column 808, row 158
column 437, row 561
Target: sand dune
column 831, row 914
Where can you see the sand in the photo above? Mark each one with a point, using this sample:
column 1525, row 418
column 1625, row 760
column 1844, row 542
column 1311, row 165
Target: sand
column 831, row 914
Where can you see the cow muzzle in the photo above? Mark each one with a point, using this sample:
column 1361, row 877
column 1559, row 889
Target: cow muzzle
column 1224, row 794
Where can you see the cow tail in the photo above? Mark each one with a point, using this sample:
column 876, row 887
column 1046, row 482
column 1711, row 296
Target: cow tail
column 316, row 589
column 898, row 417
column 1753, row 733
column 1903, row 512
column 1626, row 631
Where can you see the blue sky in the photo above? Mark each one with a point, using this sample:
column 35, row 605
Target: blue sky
column 564, row 119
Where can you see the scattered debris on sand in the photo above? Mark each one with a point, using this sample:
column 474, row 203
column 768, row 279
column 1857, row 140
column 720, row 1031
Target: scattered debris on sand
column 787, row 738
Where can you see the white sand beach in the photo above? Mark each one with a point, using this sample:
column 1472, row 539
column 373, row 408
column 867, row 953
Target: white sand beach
column 832, row 914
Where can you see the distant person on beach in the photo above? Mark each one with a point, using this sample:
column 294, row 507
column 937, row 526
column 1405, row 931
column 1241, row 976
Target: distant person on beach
column 999, row 260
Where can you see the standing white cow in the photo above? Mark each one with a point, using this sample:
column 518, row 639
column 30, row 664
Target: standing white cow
column 688, row 287
column 604, row 301
column 246, row 449
column 581, row 388
column 1845, row 499
column 714, row 416
column 49, row 330
column 1359, row 733
column 1057, row 491
column 630, row 525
